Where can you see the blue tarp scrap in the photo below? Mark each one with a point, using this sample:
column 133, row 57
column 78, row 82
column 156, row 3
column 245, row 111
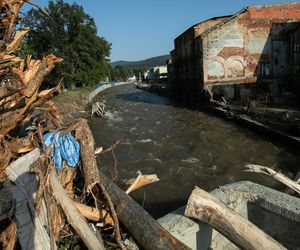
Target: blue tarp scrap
column 64, row 148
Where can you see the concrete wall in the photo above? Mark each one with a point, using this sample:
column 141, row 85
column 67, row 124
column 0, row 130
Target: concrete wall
column 103, row 87
column 158, row 72
column 184, row 44
column 187, row 60
column 276, row 213
column 250, row 47
column 253, row 46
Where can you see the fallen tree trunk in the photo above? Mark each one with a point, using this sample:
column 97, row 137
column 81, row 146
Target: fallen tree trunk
column 209, row 209
column 86, row 139
column 90, row 169
column 77, row 221
column 144, row 228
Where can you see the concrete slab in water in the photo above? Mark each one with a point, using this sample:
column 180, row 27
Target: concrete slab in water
column 276, row 213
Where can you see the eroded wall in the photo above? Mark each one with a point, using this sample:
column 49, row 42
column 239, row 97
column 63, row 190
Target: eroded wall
column 187, row 60
column 253, row 46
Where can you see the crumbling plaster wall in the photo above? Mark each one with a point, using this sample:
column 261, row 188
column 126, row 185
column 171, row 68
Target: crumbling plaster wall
column 234, row 51
column 231, row 52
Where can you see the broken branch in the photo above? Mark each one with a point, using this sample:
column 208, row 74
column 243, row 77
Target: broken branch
column 141, row 181
column 277, row 176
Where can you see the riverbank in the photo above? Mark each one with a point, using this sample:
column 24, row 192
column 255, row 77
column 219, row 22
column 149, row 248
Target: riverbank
column 73, row 104
column 76, row 103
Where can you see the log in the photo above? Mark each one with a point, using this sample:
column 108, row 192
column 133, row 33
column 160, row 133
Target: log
column 10, row 119
column 77, row 221
column 209, row 209
column 144, row 228
column 277, row 176
column 90, row 169
column 86, row 139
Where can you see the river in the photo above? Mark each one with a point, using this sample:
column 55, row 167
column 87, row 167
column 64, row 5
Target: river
column 184, row 147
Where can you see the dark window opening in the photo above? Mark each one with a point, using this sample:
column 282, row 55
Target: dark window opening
column 264, row 69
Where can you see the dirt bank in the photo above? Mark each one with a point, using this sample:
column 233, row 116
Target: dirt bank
column 73, row 104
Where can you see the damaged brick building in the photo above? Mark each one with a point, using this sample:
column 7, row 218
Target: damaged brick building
column 227, row 55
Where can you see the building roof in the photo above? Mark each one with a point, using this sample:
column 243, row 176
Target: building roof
column 193, row 26
column 274, row 5
column 272, row 11
column 225, row 21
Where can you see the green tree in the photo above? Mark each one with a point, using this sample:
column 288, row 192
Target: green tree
column 121, row 73
column 69, row 33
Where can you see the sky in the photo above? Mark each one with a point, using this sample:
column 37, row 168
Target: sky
column 140, row 29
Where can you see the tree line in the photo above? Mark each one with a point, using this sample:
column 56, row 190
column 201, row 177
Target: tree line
column 70, row 33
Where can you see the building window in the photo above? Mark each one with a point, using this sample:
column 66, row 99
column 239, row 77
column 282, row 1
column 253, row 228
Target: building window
column 297, row 47
column 264, row 68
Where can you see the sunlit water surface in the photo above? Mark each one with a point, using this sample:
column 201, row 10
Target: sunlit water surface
column 185, row 148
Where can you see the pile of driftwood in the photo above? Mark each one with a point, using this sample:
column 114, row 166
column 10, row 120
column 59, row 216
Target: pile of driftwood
column 42, row 207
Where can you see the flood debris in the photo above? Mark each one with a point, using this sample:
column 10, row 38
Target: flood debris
column 141, row 181
column 243, row 233
column 54, row 191
column 98, row 109
column 276, row 175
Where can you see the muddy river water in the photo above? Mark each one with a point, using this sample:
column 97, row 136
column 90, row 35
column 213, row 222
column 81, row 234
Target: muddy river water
column 185, row 148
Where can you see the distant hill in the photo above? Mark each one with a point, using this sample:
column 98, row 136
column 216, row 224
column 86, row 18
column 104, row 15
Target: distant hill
column 148, row 63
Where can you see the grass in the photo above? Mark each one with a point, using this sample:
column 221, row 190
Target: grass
column 80, row 93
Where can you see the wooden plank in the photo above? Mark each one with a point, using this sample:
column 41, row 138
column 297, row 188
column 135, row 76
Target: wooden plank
column 31, row 227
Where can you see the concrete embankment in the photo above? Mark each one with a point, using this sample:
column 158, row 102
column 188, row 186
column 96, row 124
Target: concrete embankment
column 103, row 87
column 274, row 212
column 260, row 128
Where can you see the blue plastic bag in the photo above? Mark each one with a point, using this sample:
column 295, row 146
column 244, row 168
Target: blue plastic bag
column 64, row 148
